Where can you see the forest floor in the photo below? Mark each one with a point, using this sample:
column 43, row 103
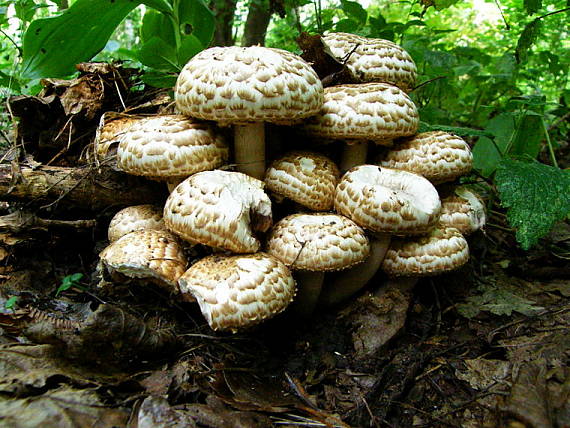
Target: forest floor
column 487, row 345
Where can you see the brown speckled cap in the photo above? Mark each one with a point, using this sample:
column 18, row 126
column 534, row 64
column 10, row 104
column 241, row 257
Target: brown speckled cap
column 112, row 126
column 318, row 242
column 436, row 155
column 388, row 200
column 463, row 210
column 219, row 209
column 376, row 112
column 152, row 254
column 248, row 84
column 374, row 60
column 134, row 218
column 239, row 291
column 304, row 177
column 170, row 146
column 440, row 251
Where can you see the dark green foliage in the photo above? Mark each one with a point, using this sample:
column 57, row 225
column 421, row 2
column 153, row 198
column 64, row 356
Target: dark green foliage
column 527, row 39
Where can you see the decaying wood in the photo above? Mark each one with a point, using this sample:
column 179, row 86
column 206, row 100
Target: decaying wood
column 20, row 221
column 82, row 187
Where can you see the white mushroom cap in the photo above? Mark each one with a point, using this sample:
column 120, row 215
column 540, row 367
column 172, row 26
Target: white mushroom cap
column 436, row 155
column 463, row 210
column 375, row 112
column 152, row 254
column 440, row 251
column 134, row 218
column 248, row 84
column 374, row 60
column 170, row 146
column 387, row 200
column 304, row 177
column 239, row 291
column 318, row 242
column 219, row 209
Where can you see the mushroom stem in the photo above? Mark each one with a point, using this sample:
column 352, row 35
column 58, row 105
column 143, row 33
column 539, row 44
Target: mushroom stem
column 353, row 154
column 249, row 149
column 309, row 286
column 344, row 284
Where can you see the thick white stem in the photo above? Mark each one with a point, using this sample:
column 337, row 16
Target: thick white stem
column 249, row 149
column 353, row 155
column 309, row 286
column 342, row 285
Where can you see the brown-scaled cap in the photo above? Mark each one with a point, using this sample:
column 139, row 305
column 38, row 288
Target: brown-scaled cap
column 436, row 155
column 239, row 291
column 304, row 177
column 318, row 242
column 219, row 209
column 133, row 218
column 151, row 254
column 112, row 126
column 388, row 200
column 170, row 146
column 442, row 250
column 464, row 210
column 374, row 60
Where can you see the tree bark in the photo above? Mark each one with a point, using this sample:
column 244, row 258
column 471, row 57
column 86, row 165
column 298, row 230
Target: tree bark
column 224, row 11
column 258, row 18
column 82, row 187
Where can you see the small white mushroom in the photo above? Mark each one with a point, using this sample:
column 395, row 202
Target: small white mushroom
column 134, row 218
column 463, row 210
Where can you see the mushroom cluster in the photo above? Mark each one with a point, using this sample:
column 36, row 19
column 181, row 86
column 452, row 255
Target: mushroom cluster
column 338, row 230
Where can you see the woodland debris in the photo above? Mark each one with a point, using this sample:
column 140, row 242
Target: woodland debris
column 21, row 221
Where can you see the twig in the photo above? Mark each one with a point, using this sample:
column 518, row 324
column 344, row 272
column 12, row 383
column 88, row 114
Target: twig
column 549, row 144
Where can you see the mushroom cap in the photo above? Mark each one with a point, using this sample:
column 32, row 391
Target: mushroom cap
column 240, row 290
column 376, row 112
column 304, row 177
column 152, row 254
column 109, row 132
column 463, row 210
column 442, row 250
column 438, row 156
column 388, row 200
column 170, row 146
column 318, row 242
column 219, row 209
column 239, row 85
column 374, row 60
column 134, row 218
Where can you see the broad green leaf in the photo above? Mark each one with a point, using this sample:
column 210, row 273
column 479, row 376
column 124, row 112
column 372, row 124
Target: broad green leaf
column 10, row 303
column 457, row 130
column 52, row 46
column 527, row 39
column 189, row 47
column 158, row 54
column 532, row 6
column 488, row 153
column 159, row 79
column 444, row 4
column 8, row 81
column 160, row 5
column 197, row 19
column 354, row 10
column 528, row 136
column 155, row 24
column 536, row 197
column 346, row 25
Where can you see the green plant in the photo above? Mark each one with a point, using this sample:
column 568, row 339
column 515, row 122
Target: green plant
column 70, row 281
column 11, row 303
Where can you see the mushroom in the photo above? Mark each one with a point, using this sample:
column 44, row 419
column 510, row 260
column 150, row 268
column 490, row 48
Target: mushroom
column 155, row 255
column 373, row 60
column 463, row 210
column 312, row 244
column 304, row 177
column 238, row 291
column 357, row 114
column 134, row 218
column 246, row 87
column 438, row 156
column 221, row 209
column 108, row 134
column 170, row 148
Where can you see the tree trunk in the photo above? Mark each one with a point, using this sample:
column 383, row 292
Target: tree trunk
column 82, row 187
column 258, row 18
column 224, row 11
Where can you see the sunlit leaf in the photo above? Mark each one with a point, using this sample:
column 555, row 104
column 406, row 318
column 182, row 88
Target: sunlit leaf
column 527, row 39
column 354, row 10
column 197, row 19
column 532, row 6
column 158, row 54
column 487, row 153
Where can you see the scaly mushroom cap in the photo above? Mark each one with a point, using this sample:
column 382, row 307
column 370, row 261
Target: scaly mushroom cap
column 437, row 155
column 170, row 146
column 318, row 242
column 387, row 200
column 153, row 254
column 219, row 209
column 239, row 291
column 440, row 251
column 375, row 112
column 109, row 132
column 237, row 85
column 374, row 60
column 304, row 177
column 134, row 218
column 463, row 210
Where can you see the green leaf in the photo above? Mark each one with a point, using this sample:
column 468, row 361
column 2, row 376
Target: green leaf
column 444, row 4
column 528, row 136
column 159, row 79
column 198, row 20
column 156, row 24
column 532, row 6
column 160, row 5
column 527, row 39
column 488, row 152
column 346, row 25
column 158, row 54
column 10, row 303
column 457, row 130
column 354, row 10
column 189, row 47
column 68, row 282
column 51, row 46
column 536, row 197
